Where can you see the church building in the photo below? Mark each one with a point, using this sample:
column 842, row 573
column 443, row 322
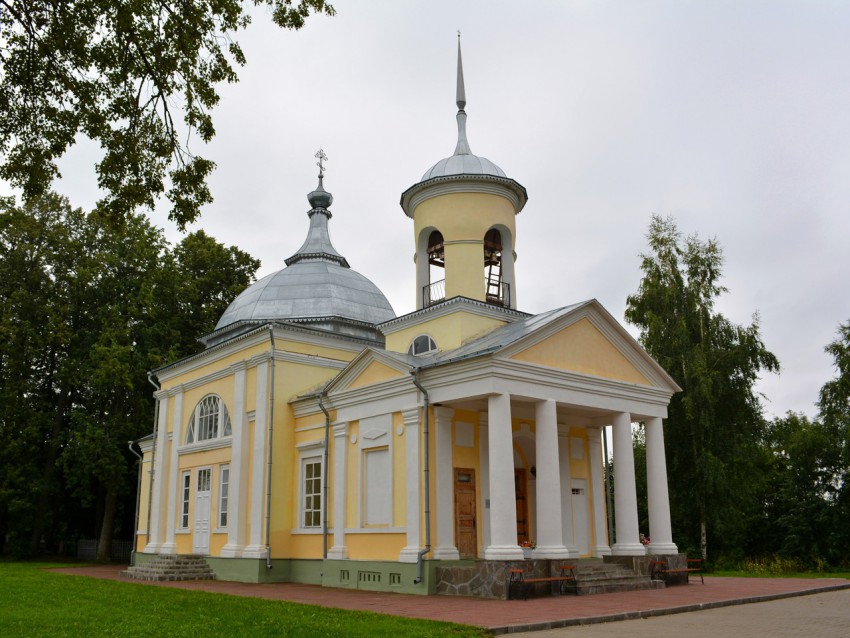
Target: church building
column 319, row 438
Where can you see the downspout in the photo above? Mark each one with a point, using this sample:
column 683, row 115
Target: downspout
column 427, row 548
column 269, row 467
column 153, row 460
column 608, row 487
column 325, row 477
column 138, row 501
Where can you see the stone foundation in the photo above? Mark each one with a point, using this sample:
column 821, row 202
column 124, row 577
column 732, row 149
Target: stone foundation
column 488, row 578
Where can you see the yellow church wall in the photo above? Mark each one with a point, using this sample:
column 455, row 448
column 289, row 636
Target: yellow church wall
column 448, row 331
column 380, row 546
column 460, row 216
column 375, row 372
column 306, row 545
column 312, row 349
column 582, row 348
column 470, row 458
column 144, row 502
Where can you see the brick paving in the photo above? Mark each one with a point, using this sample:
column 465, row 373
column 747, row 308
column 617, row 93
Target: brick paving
column 518, row 615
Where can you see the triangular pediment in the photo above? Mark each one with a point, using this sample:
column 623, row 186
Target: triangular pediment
column 375, row 372
column 589, row 341
column 581, row 347
column 370, row 367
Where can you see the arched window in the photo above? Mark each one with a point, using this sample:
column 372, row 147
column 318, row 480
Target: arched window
column 423, row 344
column 209, row 420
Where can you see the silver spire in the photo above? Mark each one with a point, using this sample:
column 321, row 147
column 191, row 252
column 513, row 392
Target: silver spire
column 462, row 147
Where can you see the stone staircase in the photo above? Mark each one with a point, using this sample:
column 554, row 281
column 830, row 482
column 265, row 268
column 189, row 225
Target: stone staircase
column 168, row 567
column 595, row 577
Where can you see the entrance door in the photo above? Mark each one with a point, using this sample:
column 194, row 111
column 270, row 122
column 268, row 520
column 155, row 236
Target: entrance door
column 581, row 523
column 201, row 536
column 521, row 487
column 466, row 536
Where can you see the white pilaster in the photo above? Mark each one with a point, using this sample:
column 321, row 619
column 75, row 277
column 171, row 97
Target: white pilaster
column 627, row 539
column 256, row 548
column 484, row 480
column 339, row 551
column 160, row 479
column 169, row 546
column 413, row 481
column 503, row 537
column 237, row 504
column 660, row 530
column 550, row 531
column 446, row 548
column 597, row 492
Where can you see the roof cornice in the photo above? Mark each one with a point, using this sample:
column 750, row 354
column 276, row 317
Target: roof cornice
column 448, row 307
column 505, row 187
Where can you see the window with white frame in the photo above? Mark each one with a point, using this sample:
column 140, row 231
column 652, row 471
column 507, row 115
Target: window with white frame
column 209, row 420
column 422, row 344
column 185, row 484
column 311, row 491
column 377, row 487
column 223, row 494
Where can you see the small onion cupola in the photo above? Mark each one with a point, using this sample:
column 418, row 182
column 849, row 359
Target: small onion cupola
column 464, row 210
column 318, row 287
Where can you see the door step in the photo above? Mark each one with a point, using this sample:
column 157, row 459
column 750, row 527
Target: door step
column 170, row 567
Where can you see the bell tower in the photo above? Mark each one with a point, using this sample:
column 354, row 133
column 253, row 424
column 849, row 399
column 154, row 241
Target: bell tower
column 463, row 212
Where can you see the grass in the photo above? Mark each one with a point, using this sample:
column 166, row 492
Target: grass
column 740, row 573
column 36, row 602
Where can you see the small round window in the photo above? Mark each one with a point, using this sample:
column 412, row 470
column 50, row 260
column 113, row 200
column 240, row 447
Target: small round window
column 422, row 345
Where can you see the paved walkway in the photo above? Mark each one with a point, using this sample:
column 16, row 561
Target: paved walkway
column 520, row 615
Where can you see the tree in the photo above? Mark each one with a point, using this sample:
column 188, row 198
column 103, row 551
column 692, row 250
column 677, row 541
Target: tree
column 122, row 74
column 714, row 424
column 87, row 307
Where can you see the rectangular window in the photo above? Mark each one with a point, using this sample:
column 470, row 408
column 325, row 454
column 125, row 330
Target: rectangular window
column 184, row 500
column 377, row 487
column 223, row 493
column 311, row 482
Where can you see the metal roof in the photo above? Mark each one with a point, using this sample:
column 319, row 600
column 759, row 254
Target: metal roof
column 317, row 282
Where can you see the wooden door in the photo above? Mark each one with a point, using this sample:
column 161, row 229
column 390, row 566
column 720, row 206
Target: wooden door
column 521, row 487
column 466, row 536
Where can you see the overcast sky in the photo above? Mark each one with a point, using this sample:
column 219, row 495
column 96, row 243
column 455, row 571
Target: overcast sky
column 731, row 117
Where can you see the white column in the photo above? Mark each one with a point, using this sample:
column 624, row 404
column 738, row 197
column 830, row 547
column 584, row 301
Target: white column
column 169, row 546
column 503, row 538
column 237, row 505
column 660, row 530
column 597, row 492
column 627, row 538
column 339, row 551
column 413, row 482
column 567, row 534
column 550, row 531
column 484, row 480
column 446, row 548
column 160, row 478
column 256, row 547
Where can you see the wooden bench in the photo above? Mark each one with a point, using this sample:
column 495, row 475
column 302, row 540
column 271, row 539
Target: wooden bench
column 659, row 568
column 517, row 580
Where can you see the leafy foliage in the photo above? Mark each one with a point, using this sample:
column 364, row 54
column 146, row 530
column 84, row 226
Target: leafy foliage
column 714, row 424
column 138, row 77
column 87, row 307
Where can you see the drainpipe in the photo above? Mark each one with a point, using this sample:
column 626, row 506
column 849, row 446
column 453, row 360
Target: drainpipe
column 138, row 500
column 269, row 468
column 153, row 460
column 427, row 548
column 608, row 487
column 325, row 477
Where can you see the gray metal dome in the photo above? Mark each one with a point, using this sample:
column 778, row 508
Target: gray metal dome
column 317, row 287
column 467, row 164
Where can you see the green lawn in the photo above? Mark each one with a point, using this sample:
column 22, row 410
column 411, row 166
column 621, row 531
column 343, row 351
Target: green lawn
column 751, row 574
column 35, row 602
